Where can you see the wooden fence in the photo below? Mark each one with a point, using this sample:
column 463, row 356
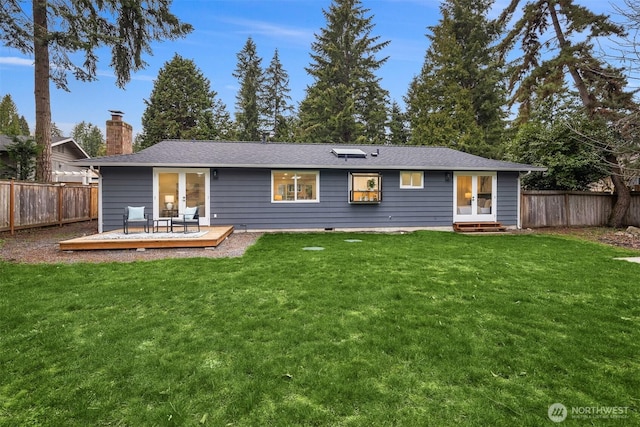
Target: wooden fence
column 30, row 205
column 572, row 209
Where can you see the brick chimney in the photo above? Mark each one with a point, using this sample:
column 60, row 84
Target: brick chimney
column 119, row 135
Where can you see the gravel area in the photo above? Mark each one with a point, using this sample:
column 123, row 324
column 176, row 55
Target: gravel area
column 625, row 238
column 40, row 245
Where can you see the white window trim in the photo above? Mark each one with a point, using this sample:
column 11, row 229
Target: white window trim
column 295, row 171
column 412, row 187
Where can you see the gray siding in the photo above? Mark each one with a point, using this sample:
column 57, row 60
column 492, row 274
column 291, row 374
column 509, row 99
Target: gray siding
column 242, row 198
column 125, row 187
column 508, row 198
column 61, row 156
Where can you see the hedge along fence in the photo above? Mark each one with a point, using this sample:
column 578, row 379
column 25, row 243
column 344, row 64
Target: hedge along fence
column 572, row 209
column 30, row 205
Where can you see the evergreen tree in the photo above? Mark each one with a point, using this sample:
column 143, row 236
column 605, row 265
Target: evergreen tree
column 458, row 99
column 249, row 107
column 90, row 138
column 566, row 51
column 222, row 123
column 24, row 126
column 183, row 106
column 345, row 103
column 10, row 121
column 289, row 128
column 22, row 153
column 398, row 130
column 559, row 136
column 56, row 132
column 276, row 99
column 61, row 31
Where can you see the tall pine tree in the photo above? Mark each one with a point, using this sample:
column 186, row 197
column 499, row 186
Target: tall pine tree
column 90, row 138
column 398, row 129
column 68, row 33
column 11, row 123
column 183, row 106
column 276, row 98
column 556, row 40
column 458, row 99
column 249, row 107
column 345, row 103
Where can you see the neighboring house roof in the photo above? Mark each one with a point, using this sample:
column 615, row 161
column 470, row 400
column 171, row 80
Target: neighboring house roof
column 178, row 153
column 6, row 140
column 72, row 145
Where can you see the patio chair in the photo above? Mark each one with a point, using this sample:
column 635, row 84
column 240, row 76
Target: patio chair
column 135, row 215
column 190, row 217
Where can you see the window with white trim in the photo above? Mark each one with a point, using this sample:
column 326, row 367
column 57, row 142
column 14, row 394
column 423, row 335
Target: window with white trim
column 411, row 179
column 295, row 186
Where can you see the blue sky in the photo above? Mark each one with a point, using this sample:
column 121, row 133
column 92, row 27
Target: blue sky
column 221, row 28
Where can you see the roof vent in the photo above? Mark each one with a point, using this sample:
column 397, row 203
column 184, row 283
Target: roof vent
column 353, row 153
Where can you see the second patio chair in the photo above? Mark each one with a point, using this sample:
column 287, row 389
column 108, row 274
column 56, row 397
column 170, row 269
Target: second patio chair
column 190, row 218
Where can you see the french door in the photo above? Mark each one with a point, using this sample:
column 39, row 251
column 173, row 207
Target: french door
column 176, row 189
column 474, row 196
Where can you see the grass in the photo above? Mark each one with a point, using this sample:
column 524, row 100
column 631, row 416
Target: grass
column 425, row 328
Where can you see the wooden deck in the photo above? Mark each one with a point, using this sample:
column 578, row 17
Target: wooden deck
column 213, row 237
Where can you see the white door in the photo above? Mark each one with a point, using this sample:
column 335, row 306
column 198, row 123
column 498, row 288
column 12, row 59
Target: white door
column 474, row 196
column 176, row 189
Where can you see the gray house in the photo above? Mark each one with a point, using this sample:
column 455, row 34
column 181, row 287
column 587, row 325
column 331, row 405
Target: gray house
column 268, row 186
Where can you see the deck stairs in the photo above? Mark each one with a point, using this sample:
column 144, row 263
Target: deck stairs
column 475, row 227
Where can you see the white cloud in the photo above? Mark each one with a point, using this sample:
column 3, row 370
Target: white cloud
column 142, row 78
column 134, row 76
column 270, row 29
column 14, row 60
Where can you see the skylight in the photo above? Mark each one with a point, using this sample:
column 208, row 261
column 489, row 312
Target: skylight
column 353, row 153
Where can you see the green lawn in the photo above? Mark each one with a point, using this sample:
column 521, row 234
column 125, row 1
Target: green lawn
column 427, row 328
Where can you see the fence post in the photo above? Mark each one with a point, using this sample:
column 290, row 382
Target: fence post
column 60, row 198
column 567, row 220
column 12, row 206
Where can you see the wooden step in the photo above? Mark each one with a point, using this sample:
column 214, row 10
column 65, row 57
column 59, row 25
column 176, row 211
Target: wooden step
column 471, row 227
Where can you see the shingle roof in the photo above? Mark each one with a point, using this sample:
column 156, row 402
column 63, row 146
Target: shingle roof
column 175, row 153
column 5, row 140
